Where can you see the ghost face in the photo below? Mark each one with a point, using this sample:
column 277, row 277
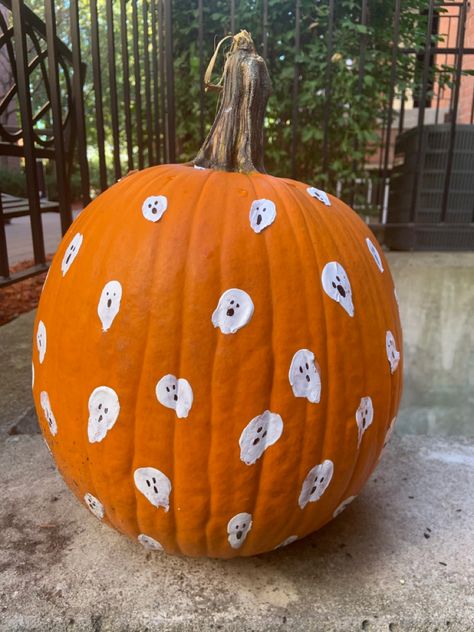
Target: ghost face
column 319, row 195
column 109, row 303
column 375, row 253
column 154, row 485
column 259, row 434
column 94, row 505
column 71, row 252
column 104, row 408
column 238, row 528
column 154, row 207
column 343, row 505
column 48, row 413
column 304, row 376
column 262, row 214
column 149, row 543
column 41, row 341
column 234, row 310
column 364, row 417
column 316, row 483
column 393, row 355
column 176, row 394
column 337, row 286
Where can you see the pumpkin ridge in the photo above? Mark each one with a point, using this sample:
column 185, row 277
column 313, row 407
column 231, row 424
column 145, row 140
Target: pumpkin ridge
column 77, row 226
column 194, row 220
column 339, row 220
column 266, row 257
column 381, row 309
column 293, row 193
column 282, row 191
column 220, row 240
column 347, row 227
column 155, row 260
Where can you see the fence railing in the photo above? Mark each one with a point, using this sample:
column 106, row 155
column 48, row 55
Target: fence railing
column 97, row 88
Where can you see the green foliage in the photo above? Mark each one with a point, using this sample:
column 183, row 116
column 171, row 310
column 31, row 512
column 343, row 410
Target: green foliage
column 329, row 84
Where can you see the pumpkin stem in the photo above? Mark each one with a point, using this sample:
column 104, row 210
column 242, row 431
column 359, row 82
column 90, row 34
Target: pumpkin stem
column 235, row 142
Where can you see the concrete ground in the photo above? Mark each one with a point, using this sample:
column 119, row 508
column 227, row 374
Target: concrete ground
column 400, row 558
column 18, row 233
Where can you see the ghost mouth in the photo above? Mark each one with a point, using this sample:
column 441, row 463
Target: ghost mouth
column 109, row 303
column 230, row 312
column 238, row 535
column 68, row 257
column 341, row 291
column 259, row 220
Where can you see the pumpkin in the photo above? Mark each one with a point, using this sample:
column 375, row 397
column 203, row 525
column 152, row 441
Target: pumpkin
column 217, row 351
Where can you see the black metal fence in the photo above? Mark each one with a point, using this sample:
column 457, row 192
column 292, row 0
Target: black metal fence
column 103, row 87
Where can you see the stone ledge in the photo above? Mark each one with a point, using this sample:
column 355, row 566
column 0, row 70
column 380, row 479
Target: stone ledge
column 400, row 558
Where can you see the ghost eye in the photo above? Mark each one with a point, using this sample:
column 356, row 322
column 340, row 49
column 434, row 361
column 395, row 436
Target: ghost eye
column 148, row 483
column 168, row 389
column 244, row 525
column 236, row 526
column 149, row 205
column 301, row 369
column 232, row 302
column 333, row 284
column 307, row 365
column 174, row 387
column 99, row 406
column 237, row 305
column 338, row 278
column 259, row 429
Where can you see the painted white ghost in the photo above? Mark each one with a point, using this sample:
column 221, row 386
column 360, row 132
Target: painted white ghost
column 262, row 214
column 364, row 417
column 154, row 207
column 322, row 196
column 390, row 430
column 48, row 413
column 109, row 303
column 94, row 505
column 238, row 528
column 41, row 341
column 104, row 408
column 316, row 483
column 154, row 485
column 258, row 435
column 304, row 376
column 176, row 394
column 343, row 505
column 337, row 286
column 289, row 540
column 149, row 543
column 71, row 252
column 375, row 253
column 393, row 356
column 234, row 310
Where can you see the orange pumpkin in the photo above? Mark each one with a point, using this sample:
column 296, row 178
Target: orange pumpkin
column 217, row 353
